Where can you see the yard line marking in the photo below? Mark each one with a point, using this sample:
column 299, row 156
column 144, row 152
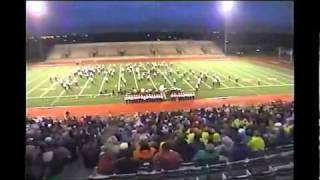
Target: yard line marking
column 144, row 67
column 68, row 96
column 37, row 86
column 220, row 74
column 261, row 74
column 134, row 77
column 119, row 82
column 223, row 84
column 249, row 75
column 272, row 71
column 201, row 81
column 165, row 77
column 57, row 98
column 83, row 87
column 54, row 84
column 48, row 89
column 183, row 80
column 37, row 77
column 189, row 84
column 102, row 83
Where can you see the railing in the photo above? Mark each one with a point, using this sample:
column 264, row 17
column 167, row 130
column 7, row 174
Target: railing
column 279, row 164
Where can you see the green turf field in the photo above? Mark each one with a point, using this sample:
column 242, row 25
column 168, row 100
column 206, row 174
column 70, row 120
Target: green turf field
column 40, row 92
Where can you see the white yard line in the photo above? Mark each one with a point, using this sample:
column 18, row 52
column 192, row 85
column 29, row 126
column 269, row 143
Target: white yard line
column 165, row 77
column 134, row 77
column 196, row 78
column 240, row 84
column 54, row 84
column 189, row 84
column 37, row 86
column 261, row 74
column 273, row 71
column 223, row 84
column 102, row 83
column 57, row 98
column 119, row 82
column 144, row 67
column 183, row 80
column 254, row 77
column 83, row 87
column 37, row 77
column 48, row 89
column 67, row 96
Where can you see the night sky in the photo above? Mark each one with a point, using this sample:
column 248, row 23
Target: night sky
column 97, row 17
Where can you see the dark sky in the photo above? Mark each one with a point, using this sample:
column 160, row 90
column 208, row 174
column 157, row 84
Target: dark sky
column 92, row 17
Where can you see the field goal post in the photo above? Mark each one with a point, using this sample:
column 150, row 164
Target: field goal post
column 286, row 54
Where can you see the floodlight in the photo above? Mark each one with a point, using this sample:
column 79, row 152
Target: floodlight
column 36, row 8
column 227, row 6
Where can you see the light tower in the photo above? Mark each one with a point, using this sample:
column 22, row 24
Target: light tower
column 226, row 8
column 35, row 11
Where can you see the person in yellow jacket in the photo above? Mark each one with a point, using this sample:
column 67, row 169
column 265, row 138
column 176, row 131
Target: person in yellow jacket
column 256, row 143
column 205, row 137
column 216, row 137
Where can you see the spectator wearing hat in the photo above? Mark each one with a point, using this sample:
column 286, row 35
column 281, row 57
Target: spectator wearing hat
column 124, row 148
column 167, row 158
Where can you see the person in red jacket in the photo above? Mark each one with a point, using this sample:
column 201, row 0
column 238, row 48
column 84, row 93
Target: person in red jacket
column 105, row 163
column 167, row 158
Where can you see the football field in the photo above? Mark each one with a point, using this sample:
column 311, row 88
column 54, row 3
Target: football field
column 254, row 79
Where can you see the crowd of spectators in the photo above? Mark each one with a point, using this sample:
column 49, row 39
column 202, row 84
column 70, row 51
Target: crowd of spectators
column 164, row 139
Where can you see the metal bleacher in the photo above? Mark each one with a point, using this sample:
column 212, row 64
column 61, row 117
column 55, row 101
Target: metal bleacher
column 275, row 165
column 144, row 48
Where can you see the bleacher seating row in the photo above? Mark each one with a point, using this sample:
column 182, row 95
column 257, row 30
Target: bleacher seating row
column 112, row 49
column 274, row 163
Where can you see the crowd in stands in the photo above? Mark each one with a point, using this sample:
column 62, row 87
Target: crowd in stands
column 164, row 139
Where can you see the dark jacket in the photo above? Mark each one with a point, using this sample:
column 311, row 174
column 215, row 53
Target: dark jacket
column 126, row 166
column 184, row 149
column 239, row 152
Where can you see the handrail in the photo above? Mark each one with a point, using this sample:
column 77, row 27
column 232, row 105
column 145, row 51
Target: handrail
column 187, row 169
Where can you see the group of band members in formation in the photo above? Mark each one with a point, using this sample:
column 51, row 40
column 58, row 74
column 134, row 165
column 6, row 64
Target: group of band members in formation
column 142, row 71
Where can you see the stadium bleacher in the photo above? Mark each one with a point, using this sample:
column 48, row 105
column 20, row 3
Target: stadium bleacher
column 144, row 48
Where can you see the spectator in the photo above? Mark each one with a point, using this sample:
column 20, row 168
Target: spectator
column 105, row 162
column 256, row 142
column 239, row 151
column 113, row 145
column 126, row 164
column 197, row 144
column 144, row 152
column 167, row 158
column 183, row 148
column 124, row 148
column 90, row 153
column 206, row 155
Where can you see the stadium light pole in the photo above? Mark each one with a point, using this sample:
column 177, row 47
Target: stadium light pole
column 36, row 10
column 226, row 7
